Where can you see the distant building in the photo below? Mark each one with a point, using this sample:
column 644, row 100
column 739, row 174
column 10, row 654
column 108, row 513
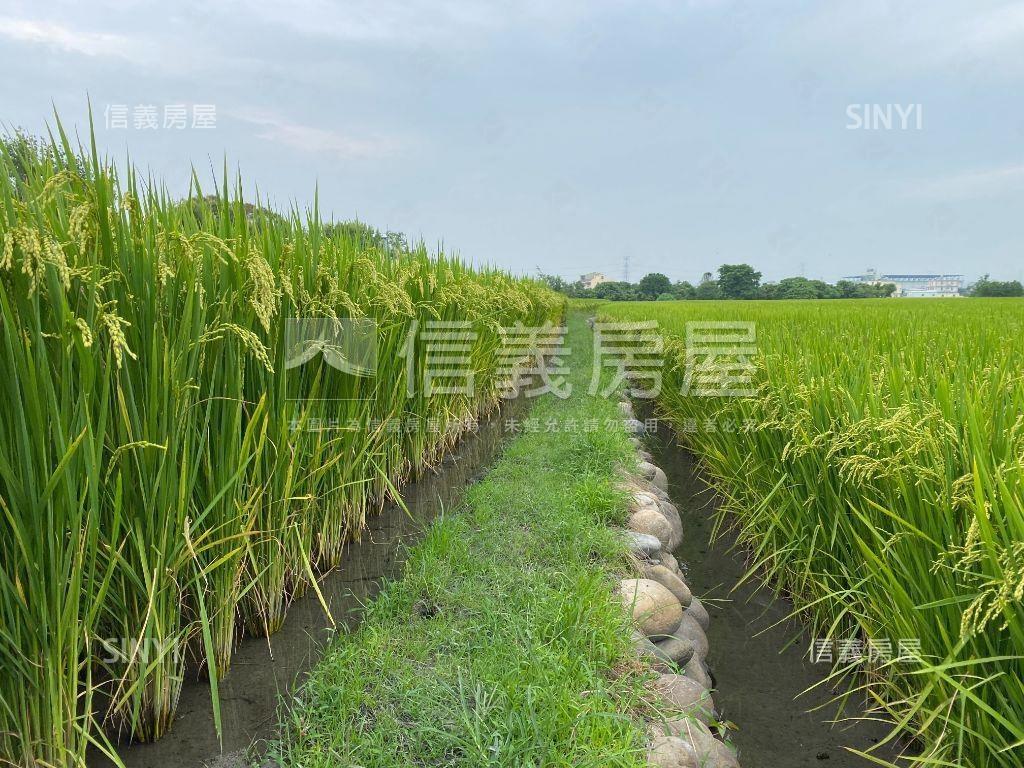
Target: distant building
column 916, row 286
column 592, row 279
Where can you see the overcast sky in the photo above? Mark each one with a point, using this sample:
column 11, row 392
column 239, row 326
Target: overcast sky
column 571, row 135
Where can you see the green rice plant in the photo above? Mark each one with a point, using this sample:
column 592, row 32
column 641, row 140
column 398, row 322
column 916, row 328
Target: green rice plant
column 163, row 480
column 51, row 469
column 875, row 476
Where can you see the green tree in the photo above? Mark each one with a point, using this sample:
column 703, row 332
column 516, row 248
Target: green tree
column 883, row 291
column 738, row 281
column 823, row 290
column 990, row 288
column 797, row 288
column 683, row 290
column 653, row 285
column 848, row 289
column 802, row 288
column 616, row 291
column 556, row 283
column 708, row 289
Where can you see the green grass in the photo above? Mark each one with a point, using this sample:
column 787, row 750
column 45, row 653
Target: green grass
column 502, row 645
column 881, row 485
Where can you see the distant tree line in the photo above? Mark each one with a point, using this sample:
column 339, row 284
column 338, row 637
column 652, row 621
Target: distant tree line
column 986, row 287
column 734, row 281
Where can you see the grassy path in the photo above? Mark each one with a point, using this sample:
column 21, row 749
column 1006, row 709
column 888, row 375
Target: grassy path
column 503, row 645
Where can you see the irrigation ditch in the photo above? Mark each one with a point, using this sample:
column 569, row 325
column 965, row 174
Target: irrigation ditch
column 763, row 680
column 265, row 671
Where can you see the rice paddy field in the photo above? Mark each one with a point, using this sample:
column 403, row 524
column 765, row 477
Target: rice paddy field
column 875, row 475
column 166, row 482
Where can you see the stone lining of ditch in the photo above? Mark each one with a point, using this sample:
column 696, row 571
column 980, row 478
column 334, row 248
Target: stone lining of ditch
column 670, row 625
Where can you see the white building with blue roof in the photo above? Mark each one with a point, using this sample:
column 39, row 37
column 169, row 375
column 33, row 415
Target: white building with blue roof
column 916, row 286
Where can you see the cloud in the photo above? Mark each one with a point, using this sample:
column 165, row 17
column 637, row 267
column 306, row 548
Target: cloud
column 281, row 130
column 158, row 48
column 427, row 23
column 373, row 21
column 68, row 39
column 1008, row 179
column 886, row 37
column 1001, row 28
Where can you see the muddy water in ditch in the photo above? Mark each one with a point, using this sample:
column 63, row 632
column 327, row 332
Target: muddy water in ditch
column 263, row 671
column 759, row 659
